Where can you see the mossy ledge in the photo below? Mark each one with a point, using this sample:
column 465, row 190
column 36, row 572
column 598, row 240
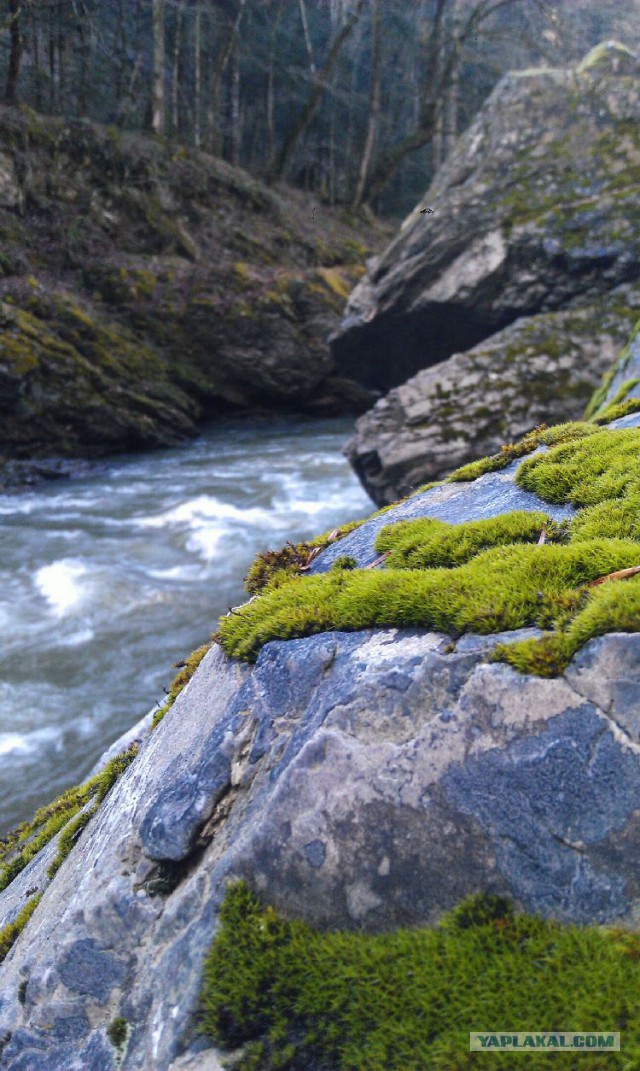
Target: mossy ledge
column 9, row 934
column 406, row 1000
column 488, row 576
column 70, row 812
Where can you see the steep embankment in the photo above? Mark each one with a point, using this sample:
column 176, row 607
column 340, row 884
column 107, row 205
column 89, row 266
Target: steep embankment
column 144, row 288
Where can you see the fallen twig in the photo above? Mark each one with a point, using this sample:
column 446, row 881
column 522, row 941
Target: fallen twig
column 543, row 537
column 620, row 574
column 378, row 561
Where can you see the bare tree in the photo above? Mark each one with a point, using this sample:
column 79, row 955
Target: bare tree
column 442, row 55
column 279, row 163
column 374, row 103
column 15, row 54
column 157, row 103
column 214, row 124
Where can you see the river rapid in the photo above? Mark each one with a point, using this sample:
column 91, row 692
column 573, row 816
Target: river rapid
column 107, row 581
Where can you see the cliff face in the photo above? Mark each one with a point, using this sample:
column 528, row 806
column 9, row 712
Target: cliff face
column 459, row 716
column 143, row 289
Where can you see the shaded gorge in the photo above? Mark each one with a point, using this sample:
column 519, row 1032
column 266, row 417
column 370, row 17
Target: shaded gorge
column 107, row 581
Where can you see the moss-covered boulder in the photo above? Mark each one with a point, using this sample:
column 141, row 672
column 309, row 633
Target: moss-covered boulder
column 144, row 289
column 536, row 206
column 541, row 369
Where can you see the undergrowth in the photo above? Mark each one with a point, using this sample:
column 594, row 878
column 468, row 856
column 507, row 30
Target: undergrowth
column 406, row 1000
column 507, row 572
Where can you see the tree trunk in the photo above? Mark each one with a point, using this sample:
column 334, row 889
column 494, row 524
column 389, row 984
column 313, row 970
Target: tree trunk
column 197, row 58
column 176, row 72
column 374, row 105
column 214, row 131
column 157, row 101
column 234, row 108
column 15, row 55
column 452, row 97
column 271, row 98
column 278, row 166
column 85, row 34
column 307, row 37
column 35, row 38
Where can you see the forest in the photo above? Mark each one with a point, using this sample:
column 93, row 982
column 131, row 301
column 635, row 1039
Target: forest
column 355, row 100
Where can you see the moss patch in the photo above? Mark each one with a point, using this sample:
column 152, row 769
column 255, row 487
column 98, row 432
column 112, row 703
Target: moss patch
column 9, row 934
column 541, row 436
column 118, row 1031
column 275, row 566
column 427, row 543
column 23, row 844
column 602, row 467
column 516, row 570
column 406, row 1000
column 507, row 587
column 180, row 681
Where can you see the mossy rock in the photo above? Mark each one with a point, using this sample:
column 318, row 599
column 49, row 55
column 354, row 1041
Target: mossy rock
column 508, row 572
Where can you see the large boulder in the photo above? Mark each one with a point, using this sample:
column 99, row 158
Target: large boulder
column 541, row 369
column 537, row 206
column 356, row 779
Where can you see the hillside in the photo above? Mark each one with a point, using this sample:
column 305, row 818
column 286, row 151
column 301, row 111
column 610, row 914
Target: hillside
column 146, row 289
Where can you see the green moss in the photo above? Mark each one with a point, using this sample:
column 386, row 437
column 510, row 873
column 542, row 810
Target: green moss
column 614, row 412
column 427, row 543
column 187, row 669
column 482, row 576
column 611, row 607
column 49, row 820
column 118, row 1031
column 507, row 587
column 617, row 519
column 406, row 1000
column 603, row 466
column 540, row 436
column 600, row 395
column 601, row 56
column 10, row 933
column 345, row 561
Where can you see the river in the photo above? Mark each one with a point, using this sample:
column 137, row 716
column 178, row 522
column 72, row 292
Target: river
column 107, row 581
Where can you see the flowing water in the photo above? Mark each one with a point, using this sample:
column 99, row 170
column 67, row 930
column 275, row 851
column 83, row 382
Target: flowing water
column 107, row 581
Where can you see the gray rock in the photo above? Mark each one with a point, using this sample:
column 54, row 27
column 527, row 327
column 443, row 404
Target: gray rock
column 623, row 382
column 539, row 370
column 535, row 208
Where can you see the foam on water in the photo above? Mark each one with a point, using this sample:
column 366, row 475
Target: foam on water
column 89, row 639
column 59, row 583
